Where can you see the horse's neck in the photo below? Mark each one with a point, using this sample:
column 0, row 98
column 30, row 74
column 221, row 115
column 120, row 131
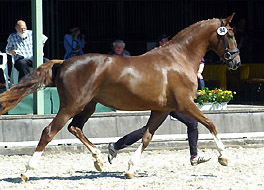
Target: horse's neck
column 193, row 42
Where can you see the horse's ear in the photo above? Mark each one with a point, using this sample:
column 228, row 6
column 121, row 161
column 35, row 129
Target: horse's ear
column 229, row 19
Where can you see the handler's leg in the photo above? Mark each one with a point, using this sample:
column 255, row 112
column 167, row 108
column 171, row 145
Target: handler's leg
column 155, row 120
column 130, row 138
column 125, row 141
column 192, row 132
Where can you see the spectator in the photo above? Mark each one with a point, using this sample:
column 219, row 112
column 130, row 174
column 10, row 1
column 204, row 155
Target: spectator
column 74, row 43
column 20, row 45
column 241, row 34
column 243, row 42
column 162, row 39
column 192, row 131
column 118, row 49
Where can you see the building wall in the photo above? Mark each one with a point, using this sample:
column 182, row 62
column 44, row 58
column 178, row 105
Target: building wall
column 136, row 22
column 29, row 128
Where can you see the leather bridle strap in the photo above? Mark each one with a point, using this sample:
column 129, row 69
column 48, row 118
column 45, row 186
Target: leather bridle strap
column 228, row 55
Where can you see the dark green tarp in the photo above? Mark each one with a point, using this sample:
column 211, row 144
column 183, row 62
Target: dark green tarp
column 51, row 104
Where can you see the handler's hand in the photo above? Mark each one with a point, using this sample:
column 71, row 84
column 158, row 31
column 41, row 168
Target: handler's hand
column 200, row 76
column 13, row 52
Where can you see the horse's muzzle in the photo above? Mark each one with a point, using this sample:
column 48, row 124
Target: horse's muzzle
column 234, row 64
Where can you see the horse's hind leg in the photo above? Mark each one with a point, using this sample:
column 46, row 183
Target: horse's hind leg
column 155, row 120
column 47, row 135
column 76, row 126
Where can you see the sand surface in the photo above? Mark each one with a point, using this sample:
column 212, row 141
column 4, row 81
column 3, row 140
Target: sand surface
column 162, row 169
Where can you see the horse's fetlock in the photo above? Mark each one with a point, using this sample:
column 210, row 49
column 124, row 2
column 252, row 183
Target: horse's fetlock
column 30, row 166
column 95, row 155
column 130, row 163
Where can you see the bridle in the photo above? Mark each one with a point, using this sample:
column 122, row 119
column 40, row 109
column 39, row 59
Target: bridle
column 229, row 55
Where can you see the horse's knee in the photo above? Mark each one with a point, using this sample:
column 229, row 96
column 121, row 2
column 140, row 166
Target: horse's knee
column 46, row 137
column 46, row 133
column 211, row 128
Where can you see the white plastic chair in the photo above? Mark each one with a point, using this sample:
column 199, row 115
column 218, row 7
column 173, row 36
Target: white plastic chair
column 4, row 67
column 14, row 73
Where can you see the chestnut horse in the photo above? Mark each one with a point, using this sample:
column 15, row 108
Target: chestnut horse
column 161, row 80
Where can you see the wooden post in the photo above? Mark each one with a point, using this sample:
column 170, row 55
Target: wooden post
column 36, row 9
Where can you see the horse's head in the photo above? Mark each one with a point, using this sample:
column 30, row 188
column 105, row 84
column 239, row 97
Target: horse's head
column 226, row 44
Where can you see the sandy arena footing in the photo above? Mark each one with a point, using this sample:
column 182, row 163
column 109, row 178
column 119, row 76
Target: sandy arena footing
column 158, row 169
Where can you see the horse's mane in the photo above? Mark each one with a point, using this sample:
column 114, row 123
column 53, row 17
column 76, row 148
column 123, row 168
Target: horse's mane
column 188, row 32
column 191, row 28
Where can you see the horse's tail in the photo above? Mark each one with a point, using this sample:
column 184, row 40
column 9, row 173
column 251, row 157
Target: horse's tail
column 43, row 76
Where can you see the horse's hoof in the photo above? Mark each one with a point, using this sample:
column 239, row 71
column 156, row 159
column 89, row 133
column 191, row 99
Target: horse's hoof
column 223, row 161
column 24, row 178
column 98, row 165
column 129, row 176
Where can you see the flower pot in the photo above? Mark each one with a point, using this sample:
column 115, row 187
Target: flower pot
column 212, row 106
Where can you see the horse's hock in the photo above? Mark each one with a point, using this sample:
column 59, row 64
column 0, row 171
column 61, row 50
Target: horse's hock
column 236, row 119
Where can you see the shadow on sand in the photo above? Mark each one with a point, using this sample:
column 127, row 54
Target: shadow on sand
column 84, row 175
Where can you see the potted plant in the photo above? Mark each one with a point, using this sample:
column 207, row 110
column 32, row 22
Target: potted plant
column 216, row 99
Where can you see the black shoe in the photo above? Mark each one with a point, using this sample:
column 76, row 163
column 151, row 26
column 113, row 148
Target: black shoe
column 112, row 152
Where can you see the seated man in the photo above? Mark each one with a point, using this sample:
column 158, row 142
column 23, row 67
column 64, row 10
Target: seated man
column 20, row 45
column 119, row 49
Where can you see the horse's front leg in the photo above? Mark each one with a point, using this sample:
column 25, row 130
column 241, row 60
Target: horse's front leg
column 76, row 126
column 47, row 135
column 192, row 111
column 222, row 159
column 155, row 120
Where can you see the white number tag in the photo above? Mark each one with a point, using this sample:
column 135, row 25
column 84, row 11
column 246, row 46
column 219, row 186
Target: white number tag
column 222, row 31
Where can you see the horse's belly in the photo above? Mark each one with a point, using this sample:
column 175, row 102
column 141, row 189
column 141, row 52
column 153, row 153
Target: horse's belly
column 131, row 102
